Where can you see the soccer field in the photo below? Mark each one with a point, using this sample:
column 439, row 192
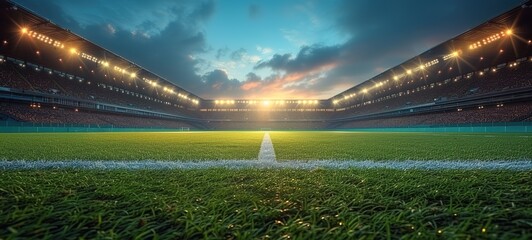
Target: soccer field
column 265, row 203
column 333, row 145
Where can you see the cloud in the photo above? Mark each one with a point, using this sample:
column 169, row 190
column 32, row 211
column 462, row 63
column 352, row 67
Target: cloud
column 253, row 81
column 264, row 50
column 252, row 77
column 218, row 80
column 309, row 58
column 221, row 53
column 253, row 11
column 294, row 37
column 238, row 54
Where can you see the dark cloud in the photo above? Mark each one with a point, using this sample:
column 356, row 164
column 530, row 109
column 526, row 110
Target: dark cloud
column 253, row 11
column 252, row 77
column 218, row 83
column 308, row 59
column 238, row 54
column 222, row 52
column 204, row 11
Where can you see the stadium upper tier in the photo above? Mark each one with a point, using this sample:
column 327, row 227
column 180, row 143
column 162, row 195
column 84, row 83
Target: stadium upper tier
column 40, row 62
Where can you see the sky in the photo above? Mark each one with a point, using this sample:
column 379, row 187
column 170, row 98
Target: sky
column 268, row 49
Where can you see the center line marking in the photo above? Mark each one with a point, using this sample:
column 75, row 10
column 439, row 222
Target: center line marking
column 267, row 153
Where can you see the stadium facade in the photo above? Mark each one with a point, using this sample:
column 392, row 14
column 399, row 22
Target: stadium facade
column 49, row 75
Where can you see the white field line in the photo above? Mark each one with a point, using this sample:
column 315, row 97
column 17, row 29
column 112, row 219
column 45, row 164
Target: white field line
column 266, row 153
column 517, row 165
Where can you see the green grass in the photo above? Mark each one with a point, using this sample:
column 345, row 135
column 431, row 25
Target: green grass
column 246, row 145
column 131, row 146
column 401, row 146
column 300, row 204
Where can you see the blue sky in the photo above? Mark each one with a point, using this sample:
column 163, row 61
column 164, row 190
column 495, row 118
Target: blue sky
column 268, row 49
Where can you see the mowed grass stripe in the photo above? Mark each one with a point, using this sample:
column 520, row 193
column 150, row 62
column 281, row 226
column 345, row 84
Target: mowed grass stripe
column 130, row 146
column 400, row 146
column 260, row 204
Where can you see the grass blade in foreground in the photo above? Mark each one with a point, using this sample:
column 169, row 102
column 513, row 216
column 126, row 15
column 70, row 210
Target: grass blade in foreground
column 220, row 203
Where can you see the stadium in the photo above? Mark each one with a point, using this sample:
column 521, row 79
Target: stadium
column 94, row 145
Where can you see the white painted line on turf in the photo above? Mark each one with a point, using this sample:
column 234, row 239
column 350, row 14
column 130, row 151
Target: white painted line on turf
column 517, row 165
column 266, row 153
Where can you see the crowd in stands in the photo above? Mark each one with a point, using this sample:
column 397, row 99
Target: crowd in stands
column 422, row 91
column 514, row 112
column 117, row 92
column 44, row 114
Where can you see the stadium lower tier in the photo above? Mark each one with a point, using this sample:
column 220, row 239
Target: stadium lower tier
column 267, row 125
column 512, row 112
column 25, row 113
column 58, row 115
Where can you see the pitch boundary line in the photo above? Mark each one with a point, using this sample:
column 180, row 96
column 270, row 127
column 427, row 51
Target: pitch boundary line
column 518, row 165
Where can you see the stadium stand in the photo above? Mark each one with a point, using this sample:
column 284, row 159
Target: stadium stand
column 60, row 116
column 513, row 112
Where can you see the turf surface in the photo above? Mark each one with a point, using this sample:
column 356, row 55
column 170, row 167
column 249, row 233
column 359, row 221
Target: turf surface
column 401, row 146
column 246, row 145
column 301, row 204
column 131, row 146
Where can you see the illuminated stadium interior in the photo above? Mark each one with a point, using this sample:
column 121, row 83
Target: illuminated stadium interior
column 136, row 136
column 485, row 69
